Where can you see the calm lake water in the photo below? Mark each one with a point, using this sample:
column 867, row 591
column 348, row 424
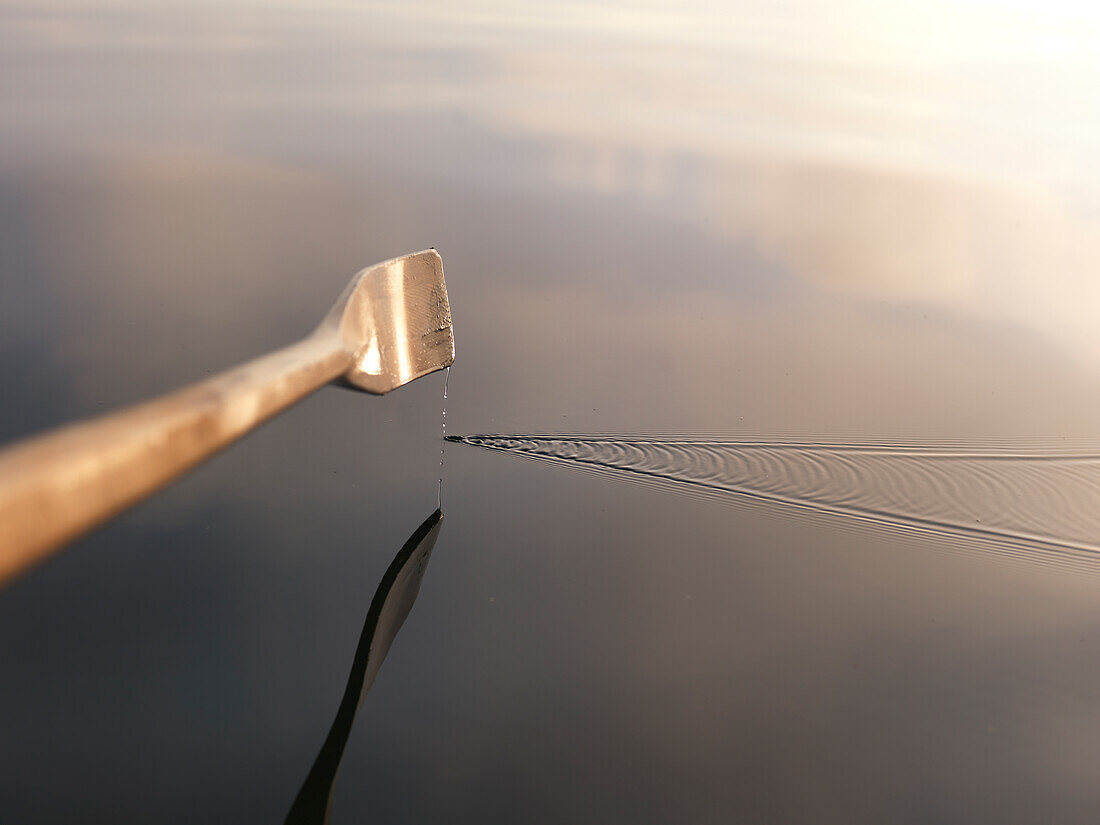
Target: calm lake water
column 848, row 254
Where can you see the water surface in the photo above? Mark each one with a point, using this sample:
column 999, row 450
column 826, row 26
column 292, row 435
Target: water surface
column 745, row 224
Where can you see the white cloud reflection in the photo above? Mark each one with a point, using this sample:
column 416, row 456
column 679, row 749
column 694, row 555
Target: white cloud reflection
column 932, row 152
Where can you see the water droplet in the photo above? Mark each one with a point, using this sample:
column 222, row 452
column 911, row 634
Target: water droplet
column 443, row 439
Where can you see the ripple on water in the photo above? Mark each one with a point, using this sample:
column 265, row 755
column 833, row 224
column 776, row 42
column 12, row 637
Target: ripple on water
column 1041, row 499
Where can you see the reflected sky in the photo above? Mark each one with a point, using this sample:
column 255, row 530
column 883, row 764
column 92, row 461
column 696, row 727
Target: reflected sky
column 938, row 155
column 750, row 221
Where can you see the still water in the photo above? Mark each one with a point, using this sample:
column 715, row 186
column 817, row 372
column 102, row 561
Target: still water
column 836, row 267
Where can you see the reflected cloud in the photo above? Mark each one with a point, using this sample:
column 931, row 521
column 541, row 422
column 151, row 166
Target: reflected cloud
column 390, row 606
column 915, row 153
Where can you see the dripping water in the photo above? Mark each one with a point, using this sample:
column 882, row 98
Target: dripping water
column 443, row 440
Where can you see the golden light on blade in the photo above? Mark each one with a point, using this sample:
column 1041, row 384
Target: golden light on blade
column 400, row 323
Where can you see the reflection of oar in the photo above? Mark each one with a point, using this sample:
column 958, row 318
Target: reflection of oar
column 391, row 604
column 391, row 325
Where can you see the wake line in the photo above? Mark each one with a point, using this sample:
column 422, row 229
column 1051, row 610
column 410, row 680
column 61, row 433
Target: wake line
column 932, row 450
column 1031, row 500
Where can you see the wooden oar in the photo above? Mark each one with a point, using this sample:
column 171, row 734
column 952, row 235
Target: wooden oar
column 391, row 326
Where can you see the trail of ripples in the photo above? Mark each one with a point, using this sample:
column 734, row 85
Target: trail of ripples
column 1019, row 498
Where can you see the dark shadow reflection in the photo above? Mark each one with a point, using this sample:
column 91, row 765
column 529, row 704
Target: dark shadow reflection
column 391, row 604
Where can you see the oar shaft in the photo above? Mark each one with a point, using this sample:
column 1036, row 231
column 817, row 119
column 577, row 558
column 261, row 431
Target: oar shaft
column 55, row 486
